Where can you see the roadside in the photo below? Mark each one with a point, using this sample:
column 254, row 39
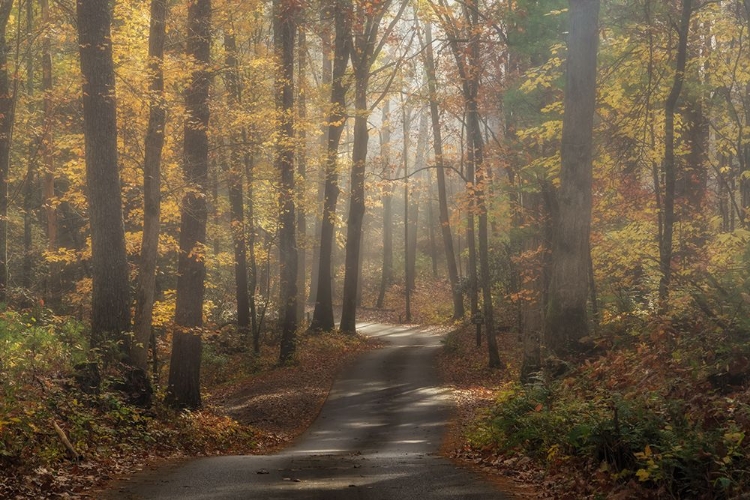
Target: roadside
column 474, row 388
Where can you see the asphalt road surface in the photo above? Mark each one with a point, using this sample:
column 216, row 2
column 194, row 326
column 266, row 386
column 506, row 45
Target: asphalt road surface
column 377, row 437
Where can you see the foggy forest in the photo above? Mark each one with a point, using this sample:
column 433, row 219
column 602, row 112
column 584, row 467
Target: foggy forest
column 375, row 249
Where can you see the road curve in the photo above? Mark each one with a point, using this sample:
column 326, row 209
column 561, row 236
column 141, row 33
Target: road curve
column 377, row 437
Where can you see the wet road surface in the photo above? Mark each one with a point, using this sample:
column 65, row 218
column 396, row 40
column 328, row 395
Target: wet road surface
column 377, row 437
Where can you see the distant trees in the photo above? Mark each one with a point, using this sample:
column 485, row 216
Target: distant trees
column 555, row 246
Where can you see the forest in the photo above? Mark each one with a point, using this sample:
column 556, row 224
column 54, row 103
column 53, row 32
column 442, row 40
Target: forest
column 201, row 196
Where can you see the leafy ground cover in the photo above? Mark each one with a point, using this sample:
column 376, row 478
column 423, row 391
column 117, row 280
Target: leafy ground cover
column 660, row 414
column 251, row 406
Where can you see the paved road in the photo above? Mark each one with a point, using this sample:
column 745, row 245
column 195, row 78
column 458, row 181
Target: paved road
column 377, row 437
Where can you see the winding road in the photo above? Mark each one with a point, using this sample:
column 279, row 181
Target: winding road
column 377, row 437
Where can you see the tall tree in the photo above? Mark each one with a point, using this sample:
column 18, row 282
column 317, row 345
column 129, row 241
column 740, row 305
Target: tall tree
column 235, row 177
column 323, row 313
column 154, row 145
column 437, row 138
column 668, row 166
column 284, row 34
column 566, row 319
column 365, row 49
column 302, row 172
column 110, row 301
column 6, row 129
column 48, row 179
column 183, row 390
column 385, row 154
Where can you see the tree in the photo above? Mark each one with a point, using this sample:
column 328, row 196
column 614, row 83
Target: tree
column 234, row 171
column 6, row 127
column 284, row 34
column 183, row 389
column 566, row 319
column 323, row 314
column 154, row 144
column 365, row 49
column 385, row 154
column 110, row 300
column 669, row 166
column 450, row 257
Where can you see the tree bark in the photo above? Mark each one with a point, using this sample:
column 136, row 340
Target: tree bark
column 183, row 390
column 53, row 287
column 235, row 179
column 31, row 169
column 385, row 153
column 284, row 33
column 110, row 301
column 566, row 318
column 323, row 314
column 6, row 129
column 450, row 256
column 326, row 76
column 154, row 144
column 363, row 56
column 302, row 172
column 668, row 166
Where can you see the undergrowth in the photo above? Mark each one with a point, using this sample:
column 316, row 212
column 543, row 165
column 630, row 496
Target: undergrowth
column 45, row 384
column 662, row 412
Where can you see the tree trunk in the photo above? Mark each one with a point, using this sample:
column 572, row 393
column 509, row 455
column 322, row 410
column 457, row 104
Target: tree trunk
column 363, row 56
column 385, row 154
column 6, row 129
column 406, row 117
column 302, row 172
column 431, row 226
column 450, row 256
column 356, row 203
column 154, row 144
column 53, row 288
column 253, row 271
column 323, row 315
column 284, row 35
column 235, row 178
column 416, row 195
column 31, row 169
column 110, row 301
column 183, row 390
column 565, row 320
column 669, row 167
column 326, row 76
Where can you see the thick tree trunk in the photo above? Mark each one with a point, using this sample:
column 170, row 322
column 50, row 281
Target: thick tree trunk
column 669, row 168
column 323, row 315
column 284, row 35
column 566, row 319
column 110, row 301
column 183, row 390
column 450, row 256
column 235, row 178
column 154, row 144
